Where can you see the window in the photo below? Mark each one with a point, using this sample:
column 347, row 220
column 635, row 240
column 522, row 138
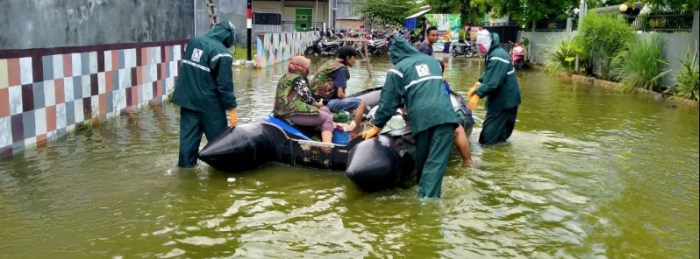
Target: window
column 267, row 18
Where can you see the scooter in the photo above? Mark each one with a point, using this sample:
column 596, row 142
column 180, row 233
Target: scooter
column 320, row 48
column 466, row 48
column 517, row 55
column 378, row 47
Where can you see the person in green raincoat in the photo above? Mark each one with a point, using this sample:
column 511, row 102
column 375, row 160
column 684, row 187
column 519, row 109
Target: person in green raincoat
column 204, row 90
column 417, row 79
column 501, row 88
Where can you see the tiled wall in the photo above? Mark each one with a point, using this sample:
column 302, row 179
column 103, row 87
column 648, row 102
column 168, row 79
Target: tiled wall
column 45, row 93
column 273, row 48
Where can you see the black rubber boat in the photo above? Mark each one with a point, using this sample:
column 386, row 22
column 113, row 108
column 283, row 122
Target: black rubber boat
column 376, row 164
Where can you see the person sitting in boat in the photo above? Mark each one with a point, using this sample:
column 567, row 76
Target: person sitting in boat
column 331, row 81
column 295, row 103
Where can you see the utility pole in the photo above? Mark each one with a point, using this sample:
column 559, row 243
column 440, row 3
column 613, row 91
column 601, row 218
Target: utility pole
column 249, row 26
column 249, row 63
column 583, row 8
column 330, row 13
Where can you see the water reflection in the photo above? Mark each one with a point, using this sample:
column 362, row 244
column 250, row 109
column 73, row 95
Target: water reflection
column 587, row 173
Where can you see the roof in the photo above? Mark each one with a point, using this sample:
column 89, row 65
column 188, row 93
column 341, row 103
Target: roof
column 421, row 12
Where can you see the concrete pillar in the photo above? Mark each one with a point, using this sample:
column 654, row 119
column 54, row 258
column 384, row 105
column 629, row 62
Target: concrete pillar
column 696, row 27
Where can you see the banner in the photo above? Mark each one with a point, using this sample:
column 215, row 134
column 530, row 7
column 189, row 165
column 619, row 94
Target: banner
column 448, row 28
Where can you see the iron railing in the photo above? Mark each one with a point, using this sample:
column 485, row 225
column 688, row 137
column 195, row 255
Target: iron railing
column 499, row 24
column 554, row 25
column 286, row 26
column 666, row 22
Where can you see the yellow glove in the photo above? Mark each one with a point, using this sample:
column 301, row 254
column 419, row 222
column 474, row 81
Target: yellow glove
column 367, row 134
column 473, row 90
column 473, row 102
column 234, row 117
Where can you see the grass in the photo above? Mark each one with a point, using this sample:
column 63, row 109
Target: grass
column 688, row 79
column 560, row 54
column 242, row 53
column 639, row 64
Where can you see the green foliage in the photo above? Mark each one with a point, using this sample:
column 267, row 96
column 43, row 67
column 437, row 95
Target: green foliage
column 560, row 53
column 687, row 80
column 599, row 3
column 387, row 11
column 600, row 37
column 462, row 34
column 242, row 53
column 677, row 5
column 640, row 64
column 524, row 12
column 462, row 7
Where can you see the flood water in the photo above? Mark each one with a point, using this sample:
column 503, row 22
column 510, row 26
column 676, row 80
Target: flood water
column 587, row 173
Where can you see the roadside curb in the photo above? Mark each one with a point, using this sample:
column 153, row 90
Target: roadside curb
column 640, row 92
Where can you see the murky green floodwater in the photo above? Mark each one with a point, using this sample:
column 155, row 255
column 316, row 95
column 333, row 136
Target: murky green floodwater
column 587, row 173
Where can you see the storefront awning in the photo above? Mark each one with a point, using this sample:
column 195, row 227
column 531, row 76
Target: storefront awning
column 418, row 14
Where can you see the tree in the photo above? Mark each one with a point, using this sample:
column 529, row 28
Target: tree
column 388, row 11
column 469, row 16
column 677, row 5
column 524, row 12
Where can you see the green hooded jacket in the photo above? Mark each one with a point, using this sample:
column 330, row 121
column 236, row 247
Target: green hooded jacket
column 205, row 80
column 499, row 84
column 417, row 79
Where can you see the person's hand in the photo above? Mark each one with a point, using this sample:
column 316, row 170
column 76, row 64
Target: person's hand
column 233, row 121
column 367, row 134
column 472, row 91
column 473, row 102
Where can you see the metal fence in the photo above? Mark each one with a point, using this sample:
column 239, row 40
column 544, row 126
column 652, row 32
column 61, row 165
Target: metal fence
column 554, row 25
column 506, row 31
column 666, row 22
column 286, row 26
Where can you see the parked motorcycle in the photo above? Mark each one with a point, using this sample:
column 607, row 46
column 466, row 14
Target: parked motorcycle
column 378, row 47
column 517, row 55
column 320, row 48
column 466, row 48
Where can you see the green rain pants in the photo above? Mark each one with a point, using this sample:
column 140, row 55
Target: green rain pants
column 433, row 148
column 498, row 126
column 192, row 125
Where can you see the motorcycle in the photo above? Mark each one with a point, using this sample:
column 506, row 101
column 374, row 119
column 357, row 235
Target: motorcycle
column 517, row 55
column 320, row 48
column 378, row 47
column 461, row 47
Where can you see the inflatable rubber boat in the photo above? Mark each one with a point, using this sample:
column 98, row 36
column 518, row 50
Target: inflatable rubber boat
column 380, row 163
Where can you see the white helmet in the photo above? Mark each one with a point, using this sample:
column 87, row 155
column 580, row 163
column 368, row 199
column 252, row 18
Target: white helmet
column 483, row 41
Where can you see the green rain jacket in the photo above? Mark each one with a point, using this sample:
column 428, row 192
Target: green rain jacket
column 499, row 83
column 417, row 79
column 205, row 81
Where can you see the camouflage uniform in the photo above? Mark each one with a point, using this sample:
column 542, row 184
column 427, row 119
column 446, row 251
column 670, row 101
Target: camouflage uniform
column 293, row 97
column 322, row 85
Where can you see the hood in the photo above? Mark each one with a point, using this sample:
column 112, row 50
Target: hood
column 223, row 32
column 400, row 49
column 496, row 41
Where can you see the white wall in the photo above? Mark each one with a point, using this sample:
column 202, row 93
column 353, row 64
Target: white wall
column 675, row 46
column 320, row 14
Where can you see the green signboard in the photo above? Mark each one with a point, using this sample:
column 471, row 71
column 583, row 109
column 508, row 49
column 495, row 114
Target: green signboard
column 448, row 28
